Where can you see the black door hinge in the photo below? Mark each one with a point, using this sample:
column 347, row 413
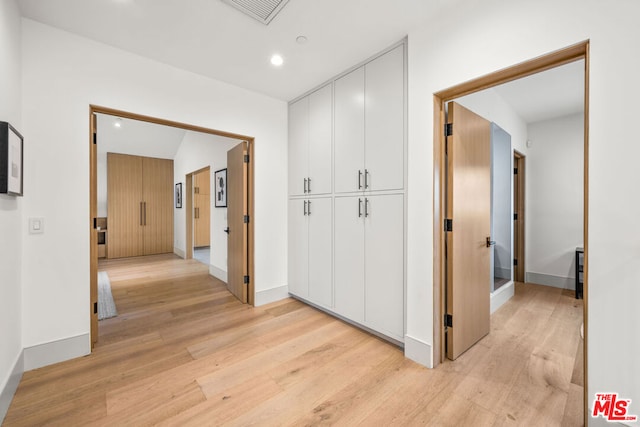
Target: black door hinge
column 95, row 223
column 246, row 158
column 95, row 138
column 246, row 280
column 246, row 219
column 448, row 225
column 448, row 129
column 515, row 261
column 95, row 308
column 448, row 320
column 515, row 171
column 515, row 216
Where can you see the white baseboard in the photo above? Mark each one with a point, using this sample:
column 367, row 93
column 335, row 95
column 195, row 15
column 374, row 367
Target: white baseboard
column 550, row 280
column 182, row 254
column 502, row 295
column 418, row 351
column 218, row 273
column 56, row 351
column 267, row 296
column 8, row 390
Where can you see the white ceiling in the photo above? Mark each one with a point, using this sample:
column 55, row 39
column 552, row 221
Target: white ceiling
column 211, row 38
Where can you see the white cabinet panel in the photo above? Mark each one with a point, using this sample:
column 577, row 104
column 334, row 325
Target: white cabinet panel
column 349, row 131
column 320, row 122
column 384, row 264
column 298, row 145
column 298, row 249
column 384, row 121
column 349, row 258
column 320, row 244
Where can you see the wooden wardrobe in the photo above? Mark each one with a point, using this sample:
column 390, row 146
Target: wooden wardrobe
column 139, row 205
column 202, row 208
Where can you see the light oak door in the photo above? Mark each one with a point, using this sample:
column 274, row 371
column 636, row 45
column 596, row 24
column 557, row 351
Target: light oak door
column 202, row 208
column 468, row 250
column 93, row 250
column 237, row 209
column 157, row 181
column 125, row 206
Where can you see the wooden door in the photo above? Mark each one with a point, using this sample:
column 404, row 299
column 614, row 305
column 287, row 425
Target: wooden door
column 320, row 244
column 469, row 208
column 157, row 193
column 320, row 132
column 349, row 257
column 349, row 132
column 202, row 208
column 384, row 264
column 237, row 208
column 125, row 205
column 93, row 250
column 384, row 121
column 298, row 269
column 519, row 216
column 298, row 146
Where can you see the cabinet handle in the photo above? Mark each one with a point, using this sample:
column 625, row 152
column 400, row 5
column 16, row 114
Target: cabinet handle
column 305, row 186
column 196, row 214
column 141, row 223
column 359, row 179
column 309, row 186
column 305, row 207
column 366, row 179
column 490, row 242
column 145, row 213
column 309, row 208
column 366, row 207
column 359, row 207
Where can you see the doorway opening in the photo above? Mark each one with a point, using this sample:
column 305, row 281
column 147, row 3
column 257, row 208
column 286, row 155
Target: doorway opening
column 97, row 227
column 556, row 59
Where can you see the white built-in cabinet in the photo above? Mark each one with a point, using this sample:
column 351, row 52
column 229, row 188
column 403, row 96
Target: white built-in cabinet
column 347, row 155
column 310, row 128
column 369, row 126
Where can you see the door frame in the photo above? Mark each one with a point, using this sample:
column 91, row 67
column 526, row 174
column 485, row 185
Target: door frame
column 519, row 163
column 560, row 57
column 93, row 199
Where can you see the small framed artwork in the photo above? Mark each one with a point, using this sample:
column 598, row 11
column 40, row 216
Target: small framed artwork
column 179, row 195
column 11, row 160
column 221, row 188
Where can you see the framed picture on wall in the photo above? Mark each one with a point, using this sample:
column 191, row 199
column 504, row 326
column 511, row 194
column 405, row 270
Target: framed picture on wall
column 221, row 188
column 179, row 195
column 11, row 160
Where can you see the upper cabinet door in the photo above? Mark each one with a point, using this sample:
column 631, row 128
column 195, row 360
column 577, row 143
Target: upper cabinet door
column 320, row 120
column 349, row 132
column 298, row 146
column 384, row 121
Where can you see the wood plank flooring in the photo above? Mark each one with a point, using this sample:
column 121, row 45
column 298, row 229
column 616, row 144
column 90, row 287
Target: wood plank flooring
column 184, row 352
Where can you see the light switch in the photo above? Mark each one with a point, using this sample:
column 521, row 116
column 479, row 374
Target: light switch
column 36, row 225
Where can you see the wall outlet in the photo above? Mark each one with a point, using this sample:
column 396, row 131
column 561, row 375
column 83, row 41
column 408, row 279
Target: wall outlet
column 36, row 225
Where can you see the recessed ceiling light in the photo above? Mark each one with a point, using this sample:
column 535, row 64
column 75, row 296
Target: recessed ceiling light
column 118, row 123
column 301, row 39
column 277, row 60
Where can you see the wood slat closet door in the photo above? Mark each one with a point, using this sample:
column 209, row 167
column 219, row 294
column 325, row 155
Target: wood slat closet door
column 157, row 193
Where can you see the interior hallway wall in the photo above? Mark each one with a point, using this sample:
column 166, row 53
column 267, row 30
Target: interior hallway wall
column 554, row 200
column 62, row 75
column 12, row 226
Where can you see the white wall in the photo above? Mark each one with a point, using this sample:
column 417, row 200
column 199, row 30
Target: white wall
column 197, row 151
column 11, row 223
column 554, row 200
column 492, row 35
column 501, row 202
column 62, row 75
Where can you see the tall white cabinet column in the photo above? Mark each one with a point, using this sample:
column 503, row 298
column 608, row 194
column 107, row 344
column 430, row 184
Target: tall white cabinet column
column 352, row 264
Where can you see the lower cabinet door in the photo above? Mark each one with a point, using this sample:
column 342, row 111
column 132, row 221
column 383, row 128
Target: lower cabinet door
column 298, row 248
column 349, row 257
column 384, row 264
column 319, row 217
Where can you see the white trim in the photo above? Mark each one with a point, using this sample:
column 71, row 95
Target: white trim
column 182, row 254
column 550, row 280
column 502, row 295
column 56, row 351
column 267, row 296
column 418, row 351
column 8, row 390
column 218, row 273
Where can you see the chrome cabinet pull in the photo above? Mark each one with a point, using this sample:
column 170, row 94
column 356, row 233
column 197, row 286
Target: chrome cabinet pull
column 359, row 207
column 366, row 207
column 359, row 179
column 309, row 186
column 309, row 208
column 305, row 186
column 305, row 207
column 366, row 179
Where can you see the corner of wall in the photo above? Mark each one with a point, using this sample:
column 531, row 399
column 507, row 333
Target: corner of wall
column 8, row 390
column 418, row 351
column 268, row 296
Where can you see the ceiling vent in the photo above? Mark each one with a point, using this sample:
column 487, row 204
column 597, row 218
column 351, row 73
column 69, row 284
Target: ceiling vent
column 261, row 10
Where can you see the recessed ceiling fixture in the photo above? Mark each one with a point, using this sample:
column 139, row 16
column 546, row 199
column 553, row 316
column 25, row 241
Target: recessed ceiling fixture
column 277, row 60
column 261, row 10
column 118, row 122
column 301, row 39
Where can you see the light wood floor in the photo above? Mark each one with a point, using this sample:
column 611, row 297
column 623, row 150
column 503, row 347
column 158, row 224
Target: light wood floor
column 183, row 351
